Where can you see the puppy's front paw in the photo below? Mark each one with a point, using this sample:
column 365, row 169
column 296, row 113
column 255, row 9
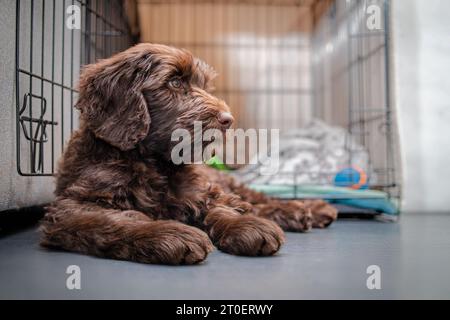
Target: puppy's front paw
column 171, row 242
column 323, row 214
column 251, row 236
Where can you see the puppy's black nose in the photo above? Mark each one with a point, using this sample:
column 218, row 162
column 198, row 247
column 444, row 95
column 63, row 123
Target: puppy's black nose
column 225, row 119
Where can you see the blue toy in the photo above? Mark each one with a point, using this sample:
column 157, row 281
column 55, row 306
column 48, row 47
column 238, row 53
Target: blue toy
column 354, row 178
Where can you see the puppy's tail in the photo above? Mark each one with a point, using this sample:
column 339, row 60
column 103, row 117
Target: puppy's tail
column 124, row 235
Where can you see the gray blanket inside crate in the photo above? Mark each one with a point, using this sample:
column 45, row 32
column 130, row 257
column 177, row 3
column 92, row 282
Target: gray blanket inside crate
column 312, row 155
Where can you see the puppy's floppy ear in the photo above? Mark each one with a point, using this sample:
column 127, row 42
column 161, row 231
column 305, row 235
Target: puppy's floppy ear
column 111, row 101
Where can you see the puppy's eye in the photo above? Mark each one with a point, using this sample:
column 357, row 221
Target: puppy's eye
column 175, row 83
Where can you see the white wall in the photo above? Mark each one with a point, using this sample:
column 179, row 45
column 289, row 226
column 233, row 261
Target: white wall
column 421, row 57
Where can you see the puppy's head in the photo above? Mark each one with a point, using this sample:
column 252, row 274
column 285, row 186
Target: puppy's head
column 141, row 95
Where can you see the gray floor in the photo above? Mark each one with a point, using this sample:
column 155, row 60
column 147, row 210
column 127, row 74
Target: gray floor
column 414, row 257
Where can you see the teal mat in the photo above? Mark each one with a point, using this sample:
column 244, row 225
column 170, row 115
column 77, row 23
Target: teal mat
column 367, row 199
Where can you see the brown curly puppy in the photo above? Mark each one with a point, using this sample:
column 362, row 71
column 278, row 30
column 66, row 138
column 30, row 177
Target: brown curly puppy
column 120, row 196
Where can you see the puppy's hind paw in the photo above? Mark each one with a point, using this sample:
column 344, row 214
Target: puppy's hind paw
column 323, row 214
column 289, row 215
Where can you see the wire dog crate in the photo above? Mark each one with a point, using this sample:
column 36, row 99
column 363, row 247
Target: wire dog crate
column 282, row 64
column 50, row 50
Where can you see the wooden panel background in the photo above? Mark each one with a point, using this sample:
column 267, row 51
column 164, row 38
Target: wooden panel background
column 259, row 48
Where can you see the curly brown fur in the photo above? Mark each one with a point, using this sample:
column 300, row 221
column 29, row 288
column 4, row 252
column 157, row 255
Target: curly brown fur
column 118, row 195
